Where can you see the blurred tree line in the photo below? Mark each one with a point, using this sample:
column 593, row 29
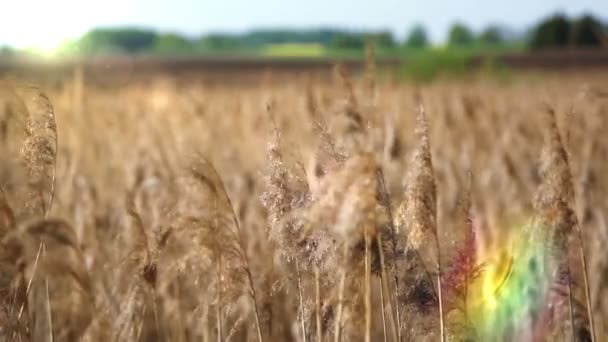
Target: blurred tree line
column 556, row 31
column 139, row 40
column 559, row 32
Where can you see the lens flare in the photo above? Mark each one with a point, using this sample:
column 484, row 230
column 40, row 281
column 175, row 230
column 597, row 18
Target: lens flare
column 513, row 285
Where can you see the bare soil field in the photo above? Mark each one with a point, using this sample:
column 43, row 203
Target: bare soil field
column 552, row 60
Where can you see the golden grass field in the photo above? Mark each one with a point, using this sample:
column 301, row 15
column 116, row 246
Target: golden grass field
column 172, row 209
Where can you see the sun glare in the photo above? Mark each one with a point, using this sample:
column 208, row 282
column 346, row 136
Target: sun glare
column 48, row 25
column 45, row 44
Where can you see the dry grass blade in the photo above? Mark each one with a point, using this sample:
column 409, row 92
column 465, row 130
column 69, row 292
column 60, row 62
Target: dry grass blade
column 39, row 150
column 385, row 201
column 418, row 214
column 368, row 287
column 318, row 306
column 370, row 68
column 14, row 121
column 7, row 216
column 301, row 297
column 338, row 323
column 60, row 291
column 586, row 282
column 554, row 200
column 204, row 171
column 28, row 136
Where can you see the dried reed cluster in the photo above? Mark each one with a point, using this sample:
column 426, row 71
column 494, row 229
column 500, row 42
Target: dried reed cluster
column 366, row 217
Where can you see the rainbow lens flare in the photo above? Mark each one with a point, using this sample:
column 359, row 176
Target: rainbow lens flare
column 513, row 284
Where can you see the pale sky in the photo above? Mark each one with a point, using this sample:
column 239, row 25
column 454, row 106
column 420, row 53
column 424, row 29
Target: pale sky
column 45, row 23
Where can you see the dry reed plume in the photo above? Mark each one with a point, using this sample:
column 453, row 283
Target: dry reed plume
column 335, row 209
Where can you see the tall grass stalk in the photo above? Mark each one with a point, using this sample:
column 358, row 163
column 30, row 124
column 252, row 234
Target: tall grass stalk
column 384, row 287
column 338, row 322
column 386, row 203
column 318, row 305
column 301, row 299
column 581, row 249
column 368, row 290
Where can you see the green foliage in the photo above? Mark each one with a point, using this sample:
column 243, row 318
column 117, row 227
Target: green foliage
column 553, row 32
column 460, row 36
column 382, row 39
column 6, row 51
column 348, row 41
column 558, row 31
column 258, row 38
column 491, row 36
column 171, row 43
column 219, row 42
column 586, row 32
column 428, row 64
column 327, row 42
column 142, row 41
column 130, row 40
column 294, row 50
column 417, row 38
column 357, row 40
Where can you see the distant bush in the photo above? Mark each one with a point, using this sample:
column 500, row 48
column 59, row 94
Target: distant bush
column 218, row 42
column 460, row 35
column 382, row 39
column 130, row 40
column 428, row 64
column 586, row 31
column 171, row 43
column 553, row 32
column 417, row 38
column 349, row 41
column 357, row 40
column 491, row 36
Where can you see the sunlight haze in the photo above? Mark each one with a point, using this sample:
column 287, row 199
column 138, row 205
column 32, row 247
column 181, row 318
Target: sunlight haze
column 45, row 25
